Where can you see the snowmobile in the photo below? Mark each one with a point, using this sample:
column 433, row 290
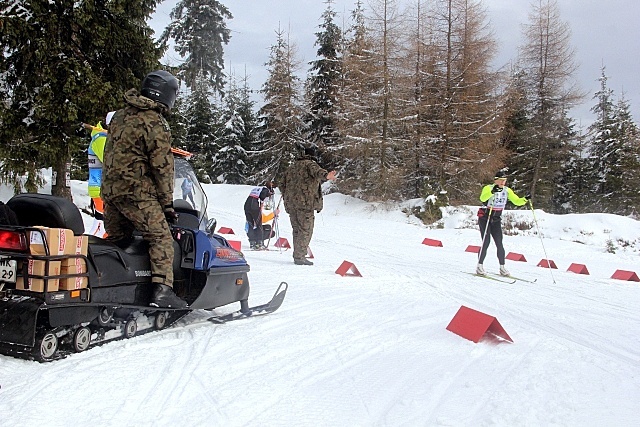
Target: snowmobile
column 114, row 301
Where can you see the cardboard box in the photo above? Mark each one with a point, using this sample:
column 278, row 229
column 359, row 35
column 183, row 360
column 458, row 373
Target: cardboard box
column 78, row 268
column 80, row 245
column 37, row 268
column 60, row 241
column 70, row 283
column 78, row 248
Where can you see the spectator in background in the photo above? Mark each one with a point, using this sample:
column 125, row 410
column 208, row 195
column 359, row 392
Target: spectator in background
column 187, row 190
column 253, row 214
column 95, row 158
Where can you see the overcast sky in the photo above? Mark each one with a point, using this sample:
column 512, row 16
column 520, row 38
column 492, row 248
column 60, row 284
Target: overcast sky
column 603, row 32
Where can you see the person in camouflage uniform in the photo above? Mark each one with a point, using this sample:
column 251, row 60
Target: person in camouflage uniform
column 301, row 192
column 137, row 185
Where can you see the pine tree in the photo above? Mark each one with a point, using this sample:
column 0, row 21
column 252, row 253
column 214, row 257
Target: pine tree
column 357, row 109
column 202, row 131
column 237, row 135
column 281, row 126
column 458, row 105
column 574, row 181
column 604, row 149
column 323, row 82
column 625, row 130
column 199, row 30
column 547, row 60
column 178, row 123
column 374, row 133
column 516, row 123
column 64, row 63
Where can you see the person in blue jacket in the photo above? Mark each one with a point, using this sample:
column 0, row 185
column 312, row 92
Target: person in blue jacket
column 494, row 198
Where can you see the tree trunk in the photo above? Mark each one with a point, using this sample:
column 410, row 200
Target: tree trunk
column 60, row 179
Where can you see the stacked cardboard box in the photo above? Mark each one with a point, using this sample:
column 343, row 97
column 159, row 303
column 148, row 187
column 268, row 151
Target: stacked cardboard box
column 75, row 265
column 38, row 268
column 59, row 241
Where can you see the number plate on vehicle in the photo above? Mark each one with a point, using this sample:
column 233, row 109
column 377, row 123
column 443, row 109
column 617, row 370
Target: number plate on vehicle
column 8, row 270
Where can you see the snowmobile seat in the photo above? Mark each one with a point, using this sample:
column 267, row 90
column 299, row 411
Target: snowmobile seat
column 46, row 210
column 187, row 215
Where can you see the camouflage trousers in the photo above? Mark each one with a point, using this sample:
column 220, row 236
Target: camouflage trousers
column 302, row 227
column 123, row 215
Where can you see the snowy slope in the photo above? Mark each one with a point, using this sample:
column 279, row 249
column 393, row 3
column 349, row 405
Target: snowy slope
column 373, row 350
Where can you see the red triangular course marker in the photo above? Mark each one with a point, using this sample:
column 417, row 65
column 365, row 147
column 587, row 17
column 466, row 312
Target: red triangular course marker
column 630, row 276
column 516, row 257
column 309, row 253
column 578, row 268
column 432, row 242
column 472, row 248
column 225, row 230
column 348, row 269
column 282, row 243
column 235, row 244
column 547, row 263
column 473, row 325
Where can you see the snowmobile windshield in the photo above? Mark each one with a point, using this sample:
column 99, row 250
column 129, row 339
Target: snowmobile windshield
column 188, row 195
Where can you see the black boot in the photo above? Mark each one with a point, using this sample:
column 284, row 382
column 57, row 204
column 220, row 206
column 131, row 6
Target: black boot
column 163, row 296
column 302, row 261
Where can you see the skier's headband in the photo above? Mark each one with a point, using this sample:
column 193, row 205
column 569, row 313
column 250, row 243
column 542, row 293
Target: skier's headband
column 496, row 178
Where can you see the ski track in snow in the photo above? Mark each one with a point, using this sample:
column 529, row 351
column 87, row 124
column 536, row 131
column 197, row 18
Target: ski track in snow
column 369, row 350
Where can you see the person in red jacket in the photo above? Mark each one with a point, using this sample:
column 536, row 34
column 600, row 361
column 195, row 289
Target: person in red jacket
column 494, row 198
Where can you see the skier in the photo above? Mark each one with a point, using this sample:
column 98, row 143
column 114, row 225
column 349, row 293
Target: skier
column 95, row 154
column 302, row 195
column 494, row 198
column 137, row 185
column 253, row 214
column 187, row 190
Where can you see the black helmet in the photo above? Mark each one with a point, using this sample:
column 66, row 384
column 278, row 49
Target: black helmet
column 160, row 86
column 500, row 175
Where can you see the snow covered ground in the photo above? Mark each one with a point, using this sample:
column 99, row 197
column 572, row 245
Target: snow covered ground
column 374, row 350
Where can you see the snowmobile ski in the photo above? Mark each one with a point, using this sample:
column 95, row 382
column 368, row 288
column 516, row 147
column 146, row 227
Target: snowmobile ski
column 259, row 310
column 506, row 279
column 513, row 277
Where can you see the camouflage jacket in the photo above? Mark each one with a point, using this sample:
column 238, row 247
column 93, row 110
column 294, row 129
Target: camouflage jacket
column 300, row 185
column 137, row 157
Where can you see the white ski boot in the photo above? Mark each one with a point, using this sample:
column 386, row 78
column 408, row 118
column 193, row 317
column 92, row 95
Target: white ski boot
column 480, row 270
column 504, row 271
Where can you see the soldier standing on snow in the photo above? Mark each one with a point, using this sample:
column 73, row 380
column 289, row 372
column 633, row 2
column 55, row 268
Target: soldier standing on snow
column 494, row 198
column 253, row 214
column 302, row 195
column 137, row 185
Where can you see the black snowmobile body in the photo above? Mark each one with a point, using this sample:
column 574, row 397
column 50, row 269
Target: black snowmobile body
column 208, row 273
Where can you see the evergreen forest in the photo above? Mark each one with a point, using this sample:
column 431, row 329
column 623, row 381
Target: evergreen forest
column 401, row 100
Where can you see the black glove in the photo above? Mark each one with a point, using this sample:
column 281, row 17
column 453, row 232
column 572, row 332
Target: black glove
column 171, row 216
column 527, row 196
column 496, row 189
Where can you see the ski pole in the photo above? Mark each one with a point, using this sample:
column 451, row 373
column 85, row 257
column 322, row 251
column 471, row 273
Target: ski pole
column 542, row 242
column 275, row 222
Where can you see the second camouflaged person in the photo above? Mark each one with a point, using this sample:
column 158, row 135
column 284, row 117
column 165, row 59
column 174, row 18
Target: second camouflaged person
column 302, row 195
column 137, row 185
